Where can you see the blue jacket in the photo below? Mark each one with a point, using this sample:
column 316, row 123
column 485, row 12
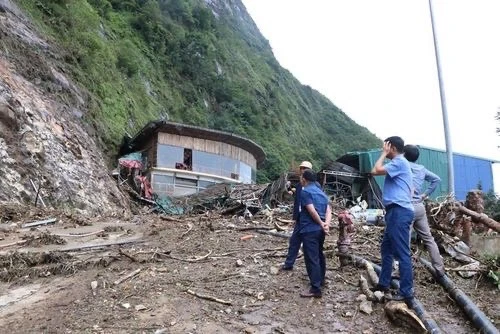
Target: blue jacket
column 296, row 202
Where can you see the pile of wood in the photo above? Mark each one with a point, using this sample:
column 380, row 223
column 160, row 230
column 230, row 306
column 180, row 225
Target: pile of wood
column 460, row 220
column 239, row 199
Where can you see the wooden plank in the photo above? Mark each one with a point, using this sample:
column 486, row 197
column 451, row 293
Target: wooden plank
column 40, row 222
column 87, row 246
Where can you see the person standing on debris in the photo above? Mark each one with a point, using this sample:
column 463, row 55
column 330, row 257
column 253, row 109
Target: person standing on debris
column 420, row 222
column 397, row 199
column 294, row 242
column 314, row 222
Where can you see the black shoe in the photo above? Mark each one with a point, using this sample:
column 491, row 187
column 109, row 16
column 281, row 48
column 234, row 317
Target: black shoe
column 285, row 268
column 379, row 288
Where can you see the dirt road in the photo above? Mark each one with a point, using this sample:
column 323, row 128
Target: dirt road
column 205, row 255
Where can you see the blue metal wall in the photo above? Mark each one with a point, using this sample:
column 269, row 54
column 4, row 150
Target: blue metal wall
column 471, row 172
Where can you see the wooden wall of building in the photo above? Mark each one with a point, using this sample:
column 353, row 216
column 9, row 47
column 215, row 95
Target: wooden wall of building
column 209, row 146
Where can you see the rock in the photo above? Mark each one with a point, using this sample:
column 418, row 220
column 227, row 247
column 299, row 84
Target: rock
column 469, row 270
column 366, row 307
column 126, row 305
column 347, row 314
column 379, row 296
column 361, row 298
column 239, row 263
column 228, row 310
column 249, row 330
column 140, row 307
column 274, row 270
column 93, row 286
column 173, row 322
column 161, row 331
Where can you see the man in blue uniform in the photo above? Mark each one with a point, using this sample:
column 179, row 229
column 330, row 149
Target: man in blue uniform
column 294, row 242
column 314, row 222
column 397, row 199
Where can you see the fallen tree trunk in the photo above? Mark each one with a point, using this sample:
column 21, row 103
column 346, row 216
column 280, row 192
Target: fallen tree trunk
column 480, row 218
column 428, row 322
column 478, row 318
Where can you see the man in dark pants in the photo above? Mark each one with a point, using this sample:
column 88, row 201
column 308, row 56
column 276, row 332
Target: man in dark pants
column 314, row 223
column 294, row 242
column 397, row 199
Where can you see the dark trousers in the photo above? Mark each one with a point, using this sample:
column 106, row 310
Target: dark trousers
column 312, row 243
column 396, row 244
column 293, row 247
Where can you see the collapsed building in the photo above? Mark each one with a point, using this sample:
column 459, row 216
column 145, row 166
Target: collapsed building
column 171, row 159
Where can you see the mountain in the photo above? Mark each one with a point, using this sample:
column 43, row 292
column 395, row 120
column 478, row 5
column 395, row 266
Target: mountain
column 198, row 62
column 79, row 75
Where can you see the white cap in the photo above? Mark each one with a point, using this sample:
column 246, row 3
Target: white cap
column 306, row 164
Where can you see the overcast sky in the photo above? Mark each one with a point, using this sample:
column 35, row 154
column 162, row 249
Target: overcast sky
column 375, row 60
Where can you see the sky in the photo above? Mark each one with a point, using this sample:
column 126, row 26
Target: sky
column 375, row 60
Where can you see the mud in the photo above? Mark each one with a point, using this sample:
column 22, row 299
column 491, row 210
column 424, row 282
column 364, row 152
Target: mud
column 209, row 259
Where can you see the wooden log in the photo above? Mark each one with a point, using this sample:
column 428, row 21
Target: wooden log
column 80, row 235
column 480, row 218
column 274, row 234
column 399, row 311
column 372, row 275
column 206, row 297
column 38, row 195
column 20, row 242
column 126, row 277
column 186, row 260
column 363, row 285
column 116, row 243
column 40, row 222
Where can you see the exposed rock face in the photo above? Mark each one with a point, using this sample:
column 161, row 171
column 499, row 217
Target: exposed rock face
column 42, row 138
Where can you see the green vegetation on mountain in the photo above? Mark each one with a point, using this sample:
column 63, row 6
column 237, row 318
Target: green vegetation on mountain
column 197, row 62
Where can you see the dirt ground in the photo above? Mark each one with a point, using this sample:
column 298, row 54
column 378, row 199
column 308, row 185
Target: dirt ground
column 50, row 287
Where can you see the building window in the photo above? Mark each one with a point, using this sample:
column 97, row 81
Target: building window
column 205, row 184
column 245, row 173
column 163, row 185
column 207, row 163
column 168, row 156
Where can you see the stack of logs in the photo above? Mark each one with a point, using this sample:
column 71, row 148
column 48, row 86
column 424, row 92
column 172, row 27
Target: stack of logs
column 459, row 219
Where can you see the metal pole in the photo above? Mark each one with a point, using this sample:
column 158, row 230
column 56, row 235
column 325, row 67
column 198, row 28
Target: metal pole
column 449, row 151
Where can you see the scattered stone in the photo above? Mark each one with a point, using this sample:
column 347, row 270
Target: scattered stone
column 93, row 285
column 347, row 314
column 228, row 310
column 173, row 322
column 274, row 270
column 161, row 331
column 338, row 327
column 361, row 298
column 379, row 296
column 126, row 305
column 239, row 263
column 366, row 307
column 249, row 330
column 140, row 307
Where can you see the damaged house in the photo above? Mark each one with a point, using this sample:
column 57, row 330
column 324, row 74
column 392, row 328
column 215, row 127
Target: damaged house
column 173, row 159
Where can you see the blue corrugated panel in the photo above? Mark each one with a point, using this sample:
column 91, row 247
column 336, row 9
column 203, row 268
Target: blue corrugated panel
column 471, row 172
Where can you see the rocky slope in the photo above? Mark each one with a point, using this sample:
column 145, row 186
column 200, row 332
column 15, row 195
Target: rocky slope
column 42, row 137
